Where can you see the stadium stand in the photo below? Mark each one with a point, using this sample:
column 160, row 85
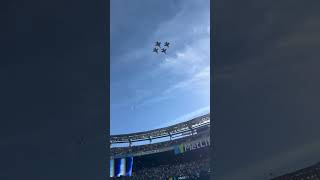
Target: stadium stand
column 177, row 129
column 150, row 147
column 184, row 156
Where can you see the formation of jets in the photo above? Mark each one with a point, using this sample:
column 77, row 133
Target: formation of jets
column 158, row 47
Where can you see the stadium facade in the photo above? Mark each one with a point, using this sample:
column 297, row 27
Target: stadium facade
column 183, row 154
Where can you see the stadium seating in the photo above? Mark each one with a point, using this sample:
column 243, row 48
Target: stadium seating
column 182, row 157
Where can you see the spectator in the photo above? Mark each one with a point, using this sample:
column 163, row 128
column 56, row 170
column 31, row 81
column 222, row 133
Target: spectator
column 189, row 170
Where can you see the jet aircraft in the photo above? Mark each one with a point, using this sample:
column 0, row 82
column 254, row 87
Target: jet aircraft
column 166, row 44
column 158, row 43
column 155, row 50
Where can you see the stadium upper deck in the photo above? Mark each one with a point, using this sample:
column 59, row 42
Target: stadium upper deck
column 170, row 131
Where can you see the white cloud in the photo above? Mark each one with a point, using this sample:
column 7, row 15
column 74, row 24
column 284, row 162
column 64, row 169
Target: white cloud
column 187, row 59
column 199, row 79
column 199, row 82
column 191, row 65
column 185, row 117
column 153, row 100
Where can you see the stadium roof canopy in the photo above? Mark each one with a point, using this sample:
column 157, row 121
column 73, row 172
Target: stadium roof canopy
column 183, row 127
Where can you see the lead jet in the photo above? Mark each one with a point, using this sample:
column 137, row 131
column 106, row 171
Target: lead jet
column 155, row 50
column 158, row 43
column 164, row 50
column 166, row 44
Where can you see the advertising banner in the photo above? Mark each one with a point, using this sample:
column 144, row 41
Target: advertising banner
column 181, row 148
column 121, row 167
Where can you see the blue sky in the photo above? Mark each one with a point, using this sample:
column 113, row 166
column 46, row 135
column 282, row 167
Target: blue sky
column 148, row 90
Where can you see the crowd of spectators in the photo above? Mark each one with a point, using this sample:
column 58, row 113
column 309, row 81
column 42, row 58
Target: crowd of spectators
column 193, row 170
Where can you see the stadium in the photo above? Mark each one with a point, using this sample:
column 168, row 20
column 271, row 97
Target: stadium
column 180, row 151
